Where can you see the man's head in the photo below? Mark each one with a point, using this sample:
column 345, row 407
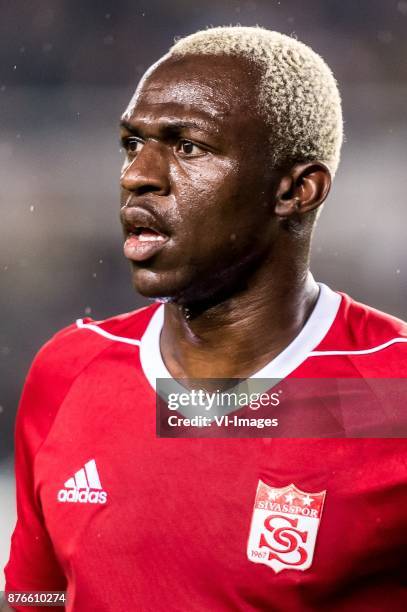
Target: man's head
column 231, row 139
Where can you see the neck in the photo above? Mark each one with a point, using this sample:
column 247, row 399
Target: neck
column 236, row 337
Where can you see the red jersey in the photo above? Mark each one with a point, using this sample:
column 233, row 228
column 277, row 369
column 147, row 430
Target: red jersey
column 125, row 520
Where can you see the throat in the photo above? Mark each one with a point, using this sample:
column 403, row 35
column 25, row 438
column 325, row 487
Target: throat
column 230, row 342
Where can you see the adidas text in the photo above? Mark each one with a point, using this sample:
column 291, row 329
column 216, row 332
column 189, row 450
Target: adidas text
column 82, row 496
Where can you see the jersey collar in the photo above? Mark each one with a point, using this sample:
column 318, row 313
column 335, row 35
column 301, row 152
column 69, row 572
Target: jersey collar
column 311, row 335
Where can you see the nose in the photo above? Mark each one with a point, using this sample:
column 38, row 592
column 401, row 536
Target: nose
column 147, row 172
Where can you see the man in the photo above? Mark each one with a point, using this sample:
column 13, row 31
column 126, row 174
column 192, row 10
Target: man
column 231, row 141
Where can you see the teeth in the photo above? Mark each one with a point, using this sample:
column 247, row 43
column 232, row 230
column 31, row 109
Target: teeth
column 150, row 237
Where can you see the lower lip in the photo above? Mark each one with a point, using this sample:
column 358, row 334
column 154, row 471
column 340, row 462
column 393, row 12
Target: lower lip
column 139, row 250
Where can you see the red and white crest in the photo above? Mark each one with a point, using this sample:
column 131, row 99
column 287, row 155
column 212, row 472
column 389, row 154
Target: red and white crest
column 284, row 527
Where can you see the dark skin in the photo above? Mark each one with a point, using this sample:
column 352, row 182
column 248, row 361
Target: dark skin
column 235, row 268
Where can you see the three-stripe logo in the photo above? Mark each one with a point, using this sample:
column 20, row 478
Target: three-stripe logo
column 84, row 486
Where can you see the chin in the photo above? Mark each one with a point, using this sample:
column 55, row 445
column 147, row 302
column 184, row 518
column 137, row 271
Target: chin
column 181, row 285
column 157, row 286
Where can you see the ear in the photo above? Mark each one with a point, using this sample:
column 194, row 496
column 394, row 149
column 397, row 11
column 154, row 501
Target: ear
column 301, row 189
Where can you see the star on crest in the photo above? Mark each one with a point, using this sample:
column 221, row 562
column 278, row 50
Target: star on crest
column 307, row 500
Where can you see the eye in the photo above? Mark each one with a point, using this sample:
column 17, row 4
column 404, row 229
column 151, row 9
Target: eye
column 132, row 145
column 188, row 148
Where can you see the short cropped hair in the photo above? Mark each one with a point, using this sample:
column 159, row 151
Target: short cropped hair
column 298, row 97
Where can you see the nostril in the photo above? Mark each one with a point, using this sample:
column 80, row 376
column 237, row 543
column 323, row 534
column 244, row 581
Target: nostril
column 147, row 188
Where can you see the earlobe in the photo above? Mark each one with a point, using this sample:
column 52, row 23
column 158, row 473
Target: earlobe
column 303, row 189
column 287, row 207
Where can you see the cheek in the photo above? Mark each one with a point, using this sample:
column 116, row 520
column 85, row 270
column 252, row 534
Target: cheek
column 223, row 203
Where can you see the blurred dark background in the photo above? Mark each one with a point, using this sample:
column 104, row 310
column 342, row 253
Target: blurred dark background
column 67, row 70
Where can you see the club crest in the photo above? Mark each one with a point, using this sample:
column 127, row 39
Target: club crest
column 284, row 527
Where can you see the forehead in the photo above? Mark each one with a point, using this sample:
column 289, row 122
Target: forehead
column 218, row 88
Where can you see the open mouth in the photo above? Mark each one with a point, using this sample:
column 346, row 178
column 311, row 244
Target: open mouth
column 146, row 234
column 143, row 242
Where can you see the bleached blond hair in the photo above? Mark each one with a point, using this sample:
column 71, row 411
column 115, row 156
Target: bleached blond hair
column 298, row 94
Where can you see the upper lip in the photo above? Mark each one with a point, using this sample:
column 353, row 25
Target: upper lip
column 134, row 217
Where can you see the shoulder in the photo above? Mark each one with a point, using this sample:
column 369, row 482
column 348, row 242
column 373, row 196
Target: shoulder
column 130, row 325
column 73, row 347
column 62, row 359
column 374, row 341
column 371, row 323
column 367, row 328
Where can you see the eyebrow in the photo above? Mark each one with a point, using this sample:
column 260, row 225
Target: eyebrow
column 166, row 127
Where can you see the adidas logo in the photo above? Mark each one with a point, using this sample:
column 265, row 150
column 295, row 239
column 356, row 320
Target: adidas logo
column 78, row 488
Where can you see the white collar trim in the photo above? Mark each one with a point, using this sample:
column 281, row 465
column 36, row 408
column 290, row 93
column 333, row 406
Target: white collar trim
column 313, row 332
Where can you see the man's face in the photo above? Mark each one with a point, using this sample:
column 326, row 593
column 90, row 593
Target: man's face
column 196, row 184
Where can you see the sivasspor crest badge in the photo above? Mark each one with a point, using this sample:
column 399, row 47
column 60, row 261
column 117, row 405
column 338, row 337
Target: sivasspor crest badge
column 284, row 527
